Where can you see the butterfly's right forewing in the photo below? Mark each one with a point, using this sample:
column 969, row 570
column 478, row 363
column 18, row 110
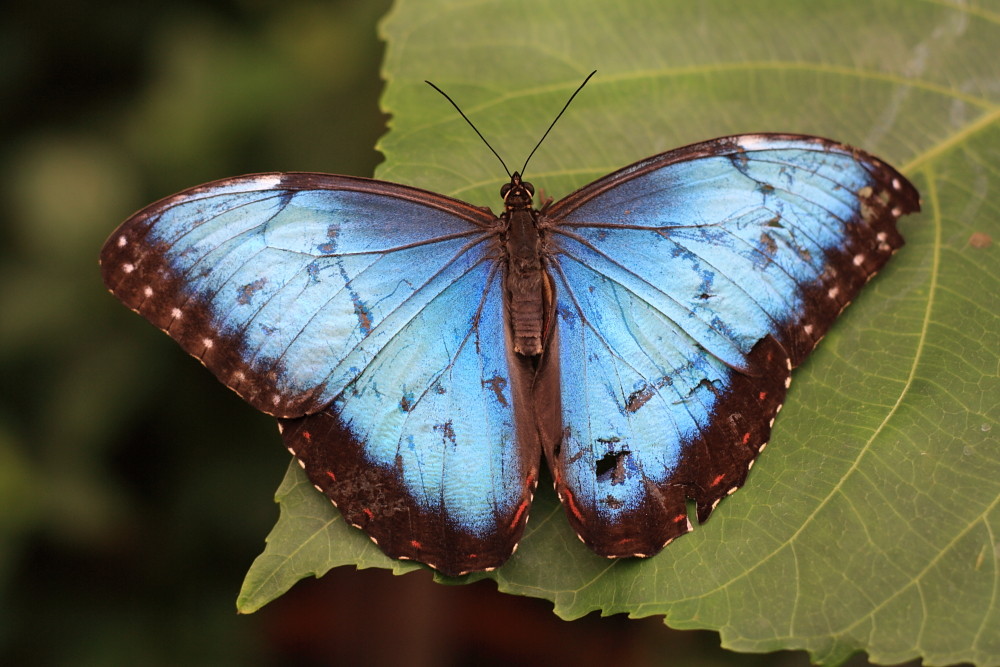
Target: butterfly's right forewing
column 283, row 285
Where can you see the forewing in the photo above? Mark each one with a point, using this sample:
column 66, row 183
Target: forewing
column 366, row 315
column 690, row 285
column 285, row 285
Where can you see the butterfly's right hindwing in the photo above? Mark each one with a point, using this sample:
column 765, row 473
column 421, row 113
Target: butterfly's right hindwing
column 435, row 472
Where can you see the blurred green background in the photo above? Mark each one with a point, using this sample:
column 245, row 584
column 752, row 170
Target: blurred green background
column 134, row 490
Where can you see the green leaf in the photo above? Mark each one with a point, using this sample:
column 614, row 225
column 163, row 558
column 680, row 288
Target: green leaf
column 872, row 521
column 309, row 539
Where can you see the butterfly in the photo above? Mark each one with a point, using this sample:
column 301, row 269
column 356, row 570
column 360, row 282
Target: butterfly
column 421, row 354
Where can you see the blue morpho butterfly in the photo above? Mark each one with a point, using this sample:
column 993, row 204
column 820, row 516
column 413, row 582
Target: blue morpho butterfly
column 420, row 353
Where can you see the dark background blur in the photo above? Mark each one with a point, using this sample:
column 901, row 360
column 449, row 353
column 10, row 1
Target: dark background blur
column 135, row 491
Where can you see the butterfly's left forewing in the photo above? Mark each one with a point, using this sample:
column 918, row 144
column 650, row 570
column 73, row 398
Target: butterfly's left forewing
column 690, row 285
column 368, row 317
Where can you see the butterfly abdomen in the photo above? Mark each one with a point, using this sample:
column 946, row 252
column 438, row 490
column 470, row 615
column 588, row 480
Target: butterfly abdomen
column 526, row 312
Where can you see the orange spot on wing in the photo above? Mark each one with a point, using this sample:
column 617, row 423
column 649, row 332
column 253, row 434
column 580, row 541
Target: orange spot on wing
column 718, row 478
column 519, row 513
column 331, row 475
column 762, row 395
column 307, row 435
column 679, row 518
column 746, row 437
column 571, row 504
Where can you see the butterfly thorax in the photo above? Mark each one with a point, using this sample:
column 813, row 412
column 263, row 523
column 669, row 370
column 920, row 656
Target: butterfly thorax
column 528, row 288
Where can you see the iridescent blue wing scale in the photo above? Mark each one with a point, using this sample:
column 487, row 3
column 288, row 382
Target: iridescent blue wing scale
column 690, row 284
column 368, row 317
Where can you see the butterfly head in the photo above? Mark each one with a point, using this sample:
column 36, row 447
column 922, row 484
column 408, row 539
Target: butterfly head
column 517, row 194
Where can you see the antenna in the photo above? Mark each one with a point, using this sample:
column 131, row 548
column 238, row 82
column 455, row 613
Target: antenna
column 471, row 125
column 558, row 116
column 565, row 106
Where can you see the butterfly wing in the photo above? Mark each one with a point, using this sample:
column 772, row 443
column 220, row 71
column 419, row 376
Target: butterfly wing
column 368, row 317
column 690, row 285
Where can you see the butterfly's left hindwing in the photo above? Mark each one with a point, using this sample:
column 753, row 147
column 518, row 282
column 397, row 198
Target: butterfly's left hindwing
column 690, row 284
column 368, row 316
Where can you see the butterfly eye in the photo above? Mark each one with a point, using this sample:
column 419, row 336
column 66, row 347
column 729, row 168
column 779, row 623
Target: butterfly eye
column 504, row 189
column 529, row 187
